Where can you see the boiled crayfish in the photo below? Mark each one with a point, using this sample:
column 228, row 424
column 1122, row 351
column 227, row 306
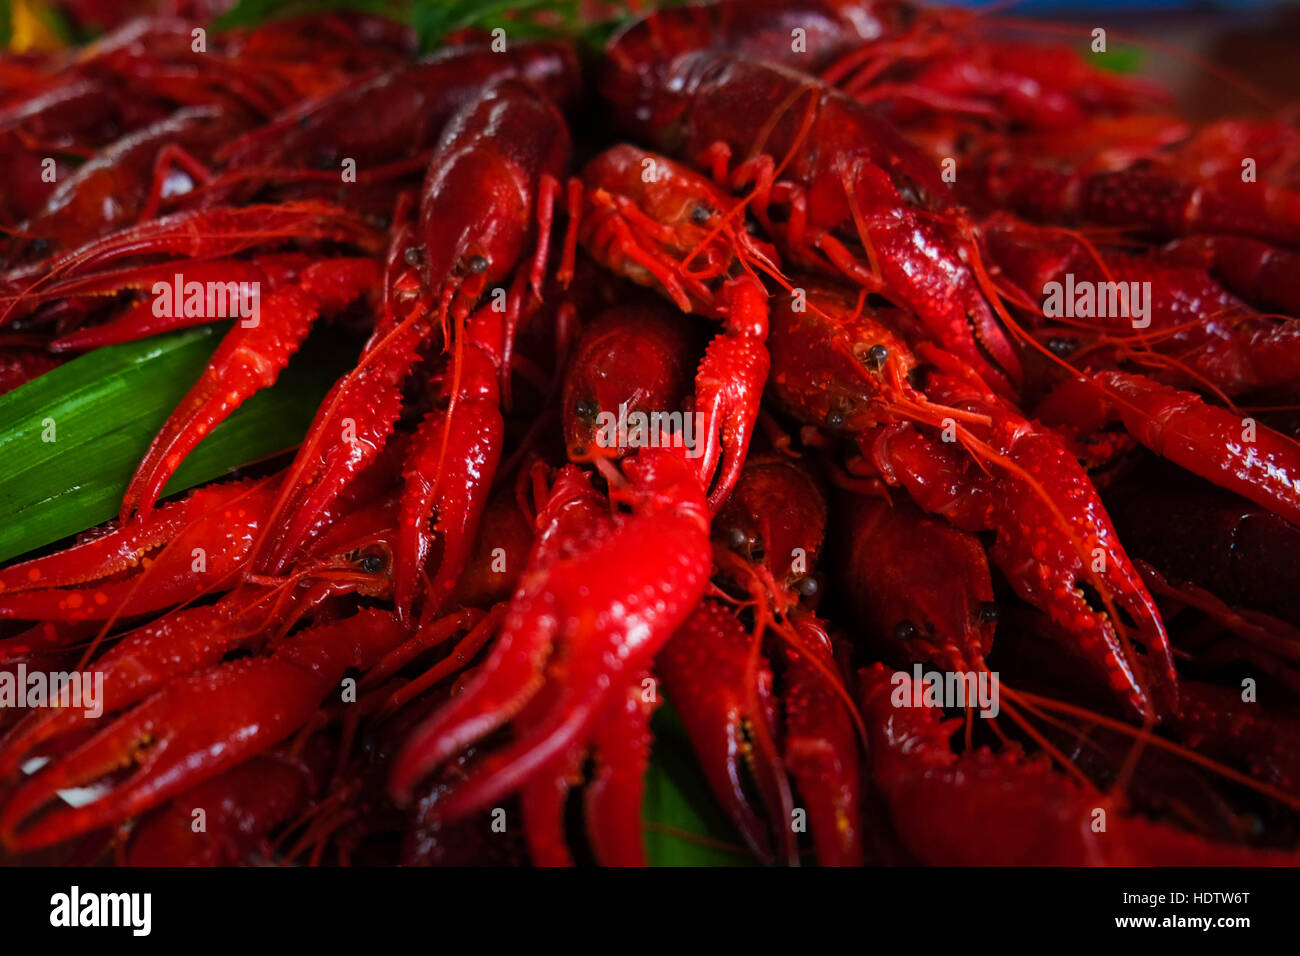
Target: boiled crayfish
column 853, row 444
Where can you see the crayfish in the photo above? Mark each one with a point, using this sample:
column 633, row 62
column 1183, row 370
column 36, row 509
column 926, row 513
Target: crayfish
column 462, row 598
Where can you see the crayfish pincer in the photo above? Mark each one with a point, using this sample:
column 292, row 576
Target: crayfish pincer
column 645, row 568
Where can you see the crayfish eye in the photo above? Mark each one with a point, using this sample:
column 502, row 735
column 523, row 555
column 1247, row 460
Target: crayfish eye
column 373, row 563
column 413, row 255
column 1059, row 346
column 876, row 356
column 701, row 214
column 905, row 631
column 476, row 265
column 911, row 193
column 809, row 586
column 585, row 409
column 988, row 612
column 737, row 539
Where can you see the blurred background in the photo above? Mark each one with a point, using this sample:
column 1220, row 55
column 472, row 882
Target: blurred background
column 1181, row 44
column 1198, row 48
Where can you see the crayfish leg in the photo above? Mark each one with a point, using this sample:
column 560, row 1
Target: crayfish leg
column 613, row 798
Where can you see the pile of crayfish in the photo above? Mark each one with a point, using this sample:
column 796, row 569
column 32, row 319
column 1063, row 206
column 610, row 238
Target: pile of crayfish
column 753, row 369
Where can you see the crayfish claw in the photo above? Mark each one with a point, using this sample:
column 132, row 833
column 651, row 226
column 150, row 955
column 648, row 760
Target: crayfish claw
column 613, row 797
column 579, row 622
column 193, row 729
column 249, row 359
column 723, row 694
column 821, row 752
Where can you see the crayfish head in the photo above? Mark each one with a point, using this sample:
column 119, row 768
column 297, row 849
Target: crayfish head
column 665, row 226
column 631, row 371
column 366, row 568
column 835, row 365
column 776, row 517
column 474, row 223
column 356, row 552
column 920, row 585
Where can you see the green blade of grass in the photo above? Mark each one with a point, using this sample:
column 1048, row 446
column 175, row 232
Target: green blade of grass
column 71, row 439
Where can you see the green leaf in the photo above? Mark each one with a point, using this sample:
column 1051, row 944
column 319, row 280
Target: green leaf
column 433, row 20
column 252, row 13
column 684, row 826
column 1122, row 59
column 57, row 22
column 103, row 409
